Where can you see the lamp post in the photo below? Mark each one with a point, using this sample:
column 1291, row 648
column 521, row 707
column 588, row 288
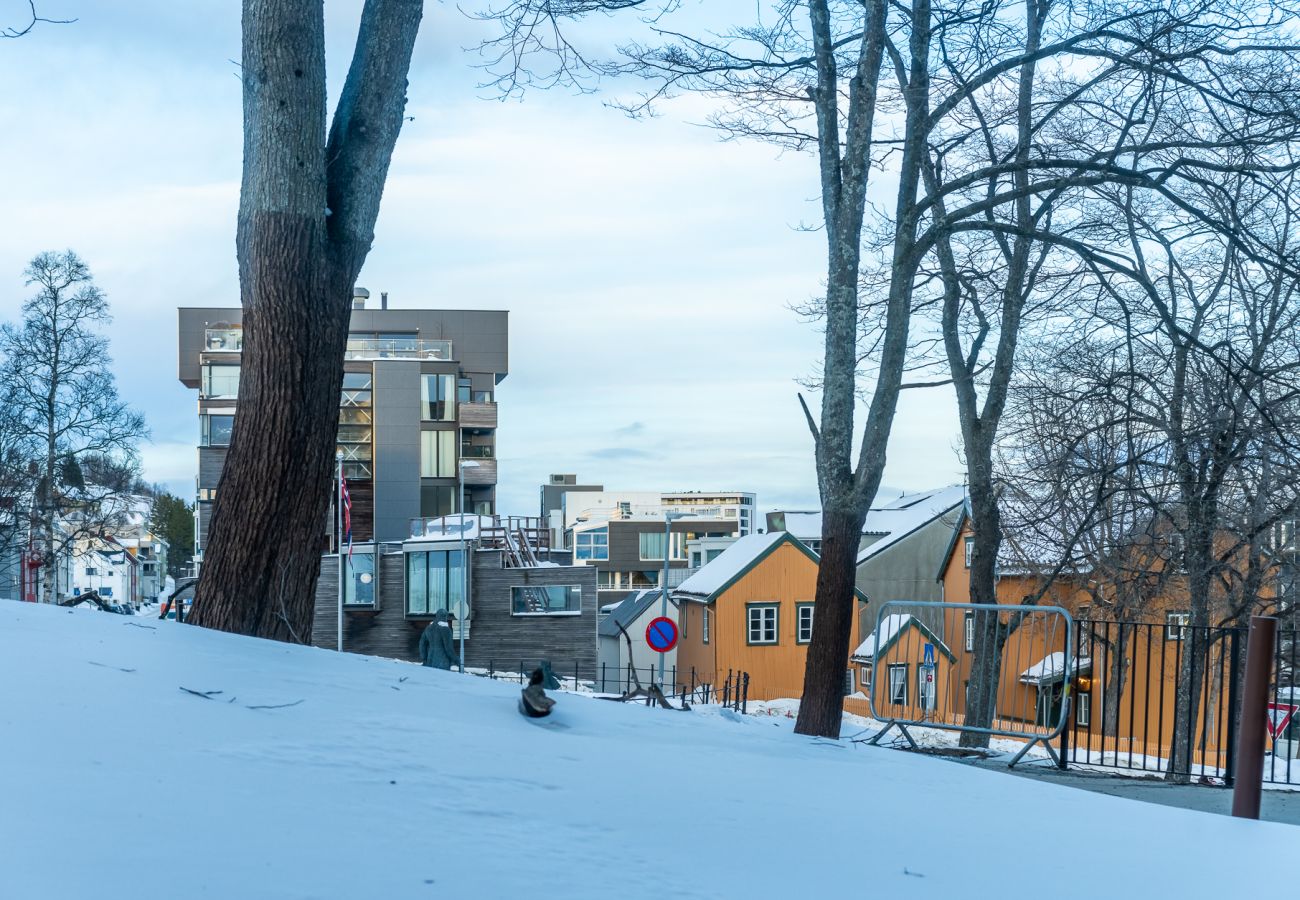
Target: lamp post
column 464, row 552
column 669, row 516
column 338, row 538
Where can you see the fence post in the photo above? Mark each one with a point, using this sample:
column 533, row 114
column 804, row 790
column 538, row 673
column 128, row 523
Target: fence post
column 1063, row 762
column 521, row 671
column 744, row 699
column 1254, row 713
column 492, row 669
column 693, row 685
column 1234, row 705
column 602, row 678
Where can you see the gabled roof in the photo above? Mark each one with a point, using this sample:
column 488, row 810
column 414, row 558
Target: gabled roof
column 887, row 633
column 907, row 515
column 627, row 612
column 732, row 564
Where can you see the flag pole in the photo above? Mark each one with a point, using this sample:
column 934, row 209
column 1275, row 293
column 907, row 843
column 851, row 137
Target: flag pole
column 338, row 534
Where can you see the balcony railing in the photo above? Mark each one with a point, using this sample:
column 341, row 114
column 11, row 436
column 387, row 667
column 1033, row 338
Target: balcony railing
column 475, row 452
column 397, row 348
column 478, row 471
column 478, row 415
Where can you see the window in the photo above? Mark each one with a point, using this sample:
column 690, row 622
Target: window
column 437, row 454
column 814, row 546
column 546, row 600
column 606, row 580
column 1083, row 644
column 848, row 683
column 220, row 381
column 711, row 555
column 803, row 617
column 593, row 544
column 463, row 391
column 435, row 579
column 1176, row 628
column 970, row 550
column 704, row 626
column 359, row 579
column 898, row 684
column 762, row 623
column 970, row 630
column 1083, row 710
column 207, row 495
column 652, row 545
column 90, row 571
column 436, row 500
column 864, row 676
column 356, row 391
column 438, row 398
column 216, row 430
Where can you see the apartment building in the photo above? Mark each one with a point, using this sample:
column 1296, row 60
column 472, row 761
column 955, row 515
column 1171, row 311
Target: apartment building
column 417, row 412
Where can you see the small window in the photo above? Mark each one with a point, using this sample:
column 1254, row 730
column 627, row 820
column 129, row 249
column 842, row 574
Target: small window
column 216, row 430
column 898, row 684
column 1082, row 710
column 359, row 579
column 90, row 571
column 970, row 550
column 970, row 630
column 762, row 623
column 864, row 675
column 704, row 626
column 1083, row 645
column 849, row 687
column 1176, row 626
column 593, row 544
column 804, row 623
column 546, row 600
column 926, row 689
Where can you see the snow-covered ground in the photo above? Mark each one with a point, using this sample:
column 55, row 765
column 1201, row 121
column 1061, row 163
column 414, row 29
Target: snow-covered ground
column 317, row 775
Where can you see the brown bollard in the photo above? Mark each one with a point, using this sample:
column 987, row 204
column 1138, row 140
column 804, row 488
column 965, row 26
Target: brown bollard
column 1249, row 776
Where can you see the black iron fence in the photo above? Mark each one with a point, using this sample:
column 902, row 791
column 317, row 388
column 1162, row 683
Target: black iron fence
column 687, row 684
column 1166, row 699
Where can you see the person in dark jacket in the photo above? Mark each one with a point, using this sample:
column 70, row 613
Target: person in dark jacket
column 436, row 649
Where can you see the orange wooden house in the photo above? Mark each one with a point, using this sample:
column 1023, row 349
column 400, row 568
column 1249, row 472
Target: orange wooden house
column 751, row 610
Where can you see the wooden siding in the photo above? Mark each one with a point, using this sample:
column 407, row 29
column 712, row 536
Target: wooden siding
column 478, row 415
column 484, row 471
column 496, row 637
column 787, row 578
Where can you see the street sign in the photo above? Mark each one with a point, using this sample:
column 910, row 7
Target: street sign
column 1279, row 716
column 929, row 655
column 661, row 634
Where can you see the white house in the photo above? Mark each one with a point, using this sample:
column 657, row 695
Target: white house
column 634, row 614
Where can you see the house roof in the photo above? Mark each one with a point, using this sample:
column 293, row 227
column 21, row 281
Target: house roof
column 1051, row 669
column 627, row 612
column 887, row 633
column 908, row 514
column 715, row 577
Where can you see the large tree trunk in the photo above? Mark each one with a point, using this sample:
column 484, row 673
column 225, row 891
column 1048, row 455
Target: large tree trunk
column 306, row 220
column 1187, row 705
column 822, row 707
column 990, row 634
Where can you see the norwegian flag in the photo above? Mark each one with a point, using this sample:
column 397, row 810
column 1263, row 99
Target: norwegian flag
column 347, row 513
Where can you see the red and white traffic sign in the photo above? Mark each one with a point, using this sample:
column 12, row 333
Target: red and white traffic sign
column 1279, row 716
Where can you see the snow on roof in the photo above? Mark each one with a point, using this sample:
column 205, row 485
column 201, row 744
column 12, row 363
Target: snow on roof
column 906, row 514
column 713, row 576
column 1052, row 668
column 886, row 631
column 627, row 612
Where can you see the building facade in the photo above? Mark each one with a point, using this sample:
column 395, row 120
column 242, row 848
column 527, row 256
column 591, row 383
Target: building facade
column 417, row 413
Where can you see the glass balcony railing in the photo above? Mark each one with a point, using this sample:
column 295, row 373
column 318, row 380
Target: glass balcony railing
column 475, row 452
column 224, row 340
column 397, row 348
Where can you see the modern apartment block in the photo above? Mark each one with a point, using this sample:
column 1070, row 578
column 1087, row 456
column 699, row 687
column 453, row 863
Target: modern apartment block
column 417, row 413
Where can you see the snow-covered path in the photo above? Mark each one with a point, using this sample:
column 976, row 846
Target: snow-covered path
column 390, row 780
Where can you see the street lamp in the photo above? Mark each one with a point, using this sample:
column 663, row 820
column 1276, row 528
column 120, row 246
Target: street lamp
column 338, row 539
column 669, row 516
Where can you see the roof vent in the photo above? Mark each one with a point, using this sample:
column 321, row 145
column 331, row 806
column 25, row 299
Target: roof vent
column 359, row 297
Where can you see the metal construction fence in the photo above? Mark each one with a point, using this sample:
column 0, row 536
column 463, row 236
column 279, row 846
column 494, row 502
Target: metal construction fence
column 1001, row 671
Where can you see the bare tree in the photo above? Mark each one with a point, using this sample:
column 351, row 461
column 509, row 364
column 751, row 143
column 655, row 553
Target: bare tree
column 63, row 407
column 308, row 206
column 33, row 19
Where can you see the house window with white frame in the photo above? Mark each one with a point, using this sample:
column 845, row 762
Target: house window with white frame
column 803, row 623
column 970, row 550
column 970, row 630
column 762, row 623
column 1082, row 710
column 704, row 626
column 1176, row 626
column 898, row 684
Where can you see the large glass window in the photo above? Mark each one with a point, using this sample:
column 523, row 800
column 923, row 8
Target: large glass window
column 593, row 544
column 220, row 381
column 438, row 398
column 435, row 580
column 438, row 454
column 359, row 585
column 652, row 545
column 762, row 623
column 356, row 391
column 436, row 500
column 545, row 599
column 216, row 430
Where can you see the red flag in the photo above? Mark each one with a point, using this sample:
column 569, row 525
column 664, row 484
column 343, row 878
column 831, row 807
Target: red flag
column 347, row 512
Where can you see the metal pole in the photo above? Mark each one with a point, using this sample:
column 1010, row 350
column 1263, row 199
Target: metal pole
column 1254, row 712
column 338, row 539
column 464, row 547
column 663, row 587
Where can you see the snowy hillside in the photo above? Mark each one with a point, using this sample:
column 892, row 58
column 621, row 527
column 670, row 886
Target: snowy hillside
column 389, row 780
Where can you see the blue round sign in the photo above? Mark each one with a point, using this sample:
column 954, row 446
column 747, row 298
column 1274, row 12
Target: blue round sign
column 661, row 634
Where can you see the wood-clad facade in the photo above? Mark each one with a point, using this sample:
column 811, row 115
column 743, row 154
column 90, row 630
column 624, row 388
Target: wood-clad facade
column 498, row 636
column 775, row 589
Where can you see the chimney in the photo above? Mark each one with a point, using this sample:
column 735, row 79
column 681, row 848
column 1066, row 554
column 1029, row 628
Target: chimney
column 383, row 299
column 359, row 297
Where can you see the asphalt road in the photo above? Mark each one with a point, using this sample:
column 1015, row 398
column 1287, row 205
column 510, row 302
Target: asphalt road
column 1276, row 805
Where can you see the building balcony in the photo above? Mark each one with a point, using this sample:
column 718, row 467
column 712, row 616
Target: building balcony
column 223, row 340
column 478, row 415
column 478, row 471
column 397, row 348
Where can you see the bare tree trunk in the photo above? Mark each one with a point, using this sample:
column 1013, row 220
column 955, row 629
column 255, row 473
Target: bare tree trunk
column 306, row 221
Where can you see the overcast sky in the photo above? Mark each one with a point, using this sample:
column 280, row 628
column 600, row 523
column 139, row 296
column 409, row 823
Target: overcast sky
column 648, row 267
